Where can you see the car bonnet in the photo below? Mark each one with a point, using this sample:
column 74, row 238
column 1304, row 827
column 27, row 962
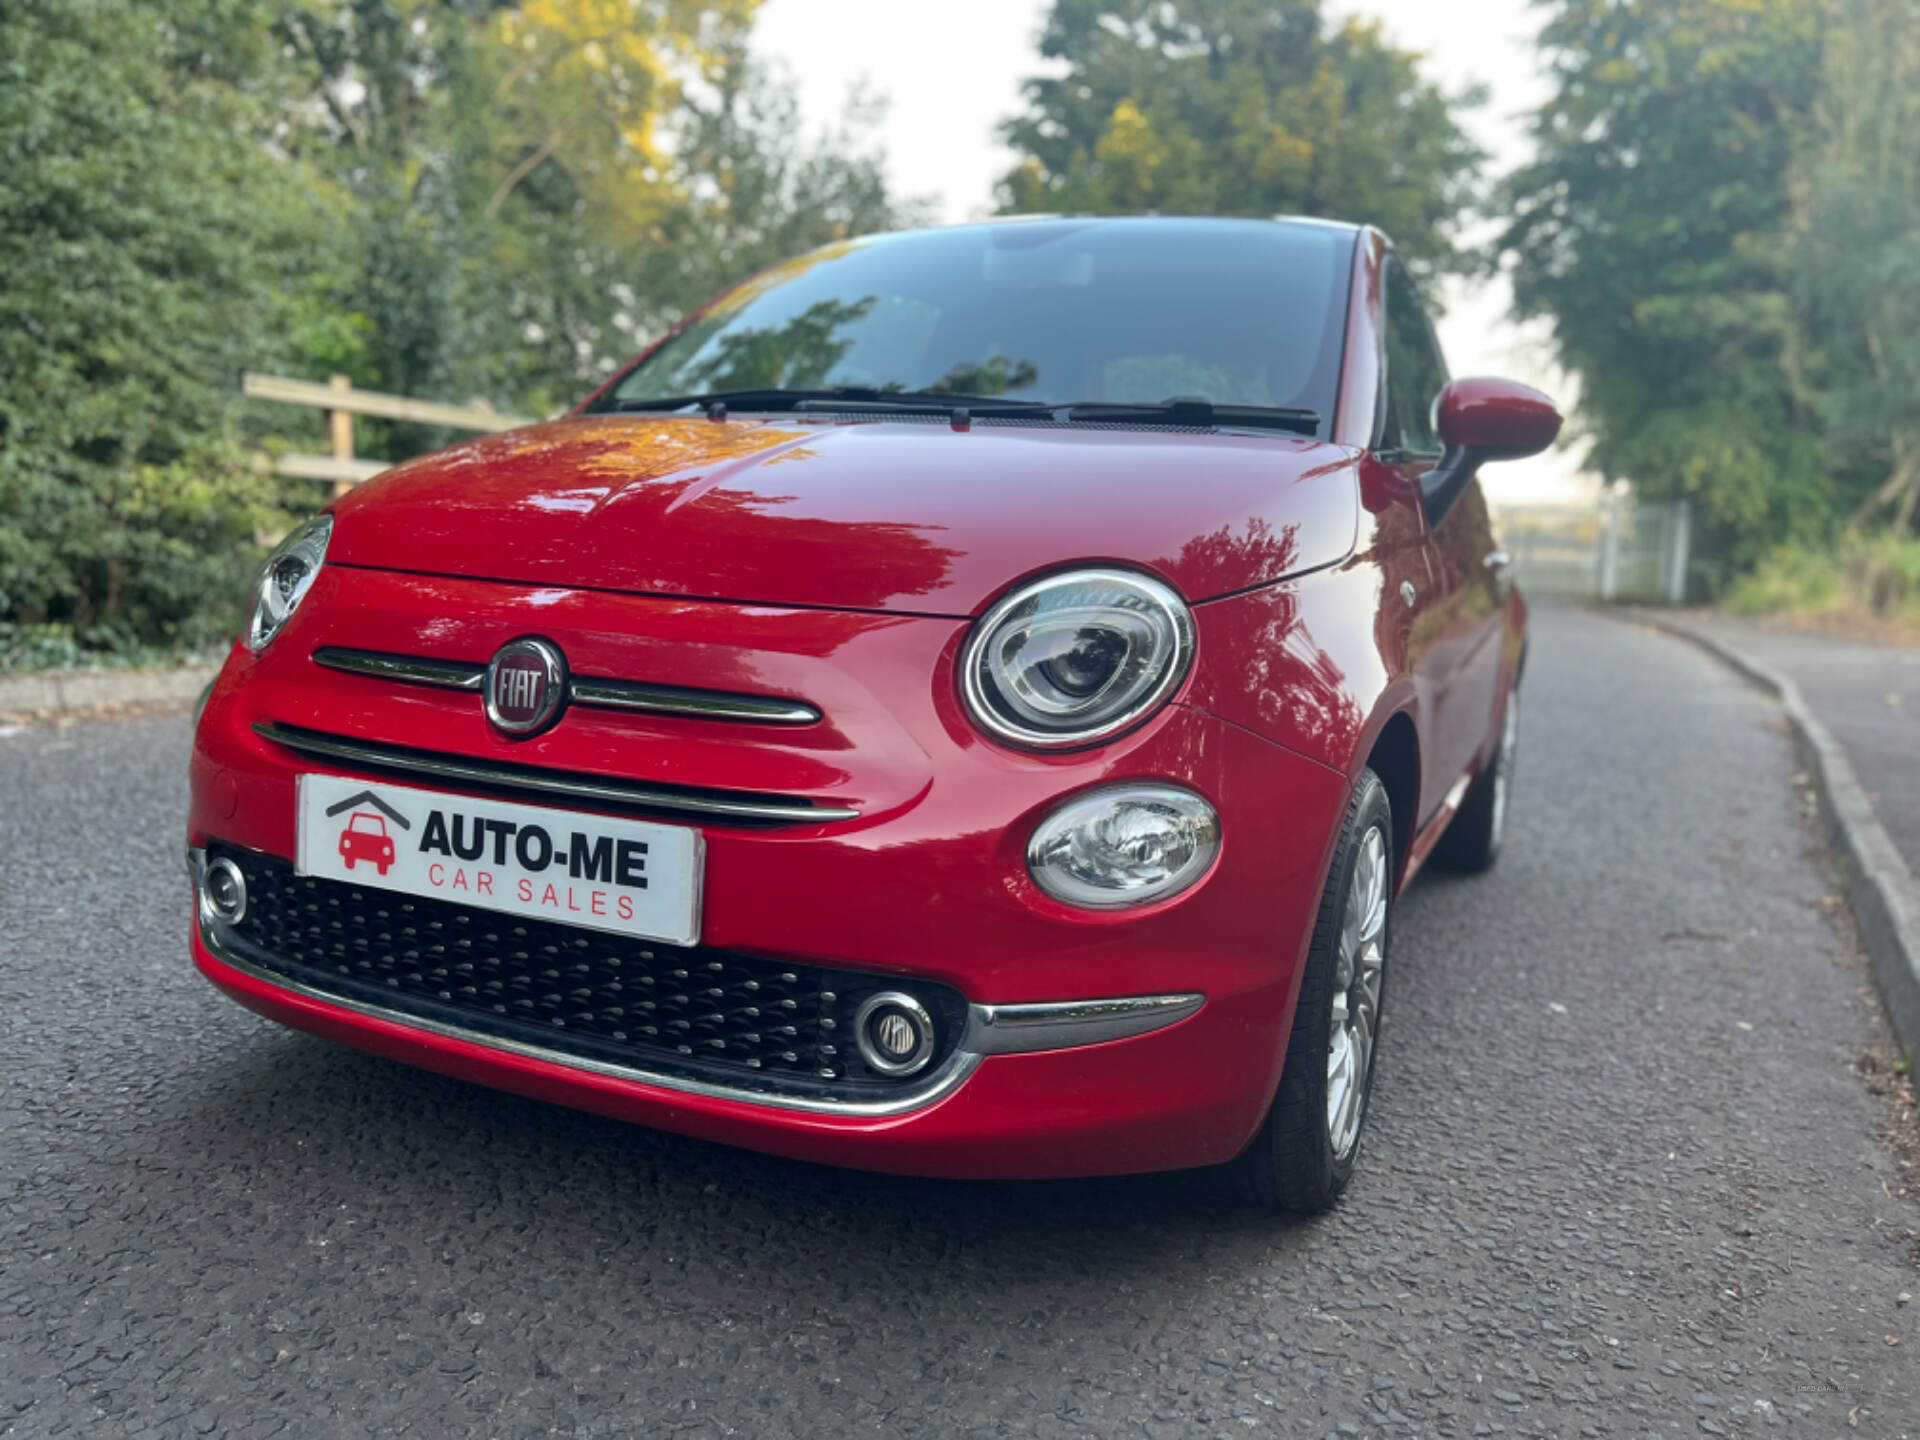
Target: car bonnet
column 893, row 515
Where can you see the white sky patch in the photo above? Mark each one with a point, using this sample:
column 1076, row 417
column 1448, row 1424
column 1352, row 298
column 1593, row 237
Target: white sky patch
column 952, row 77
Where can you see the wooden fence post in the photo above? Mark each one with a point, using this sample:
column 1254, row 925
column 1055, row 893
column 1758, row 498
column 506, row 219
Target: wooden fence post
column 340, row 431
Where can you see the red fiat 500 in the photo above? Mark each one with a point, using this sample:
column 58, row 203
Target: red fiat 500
column 963, row 704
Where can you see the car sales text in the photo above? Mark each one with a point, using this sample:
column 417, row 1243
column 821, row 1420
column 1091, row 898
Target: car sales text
column 596, row 859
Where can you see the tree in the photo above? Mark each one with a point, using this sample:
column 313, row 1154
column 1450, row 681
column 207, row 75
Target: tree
column 542, row 186
column 757, row 192
column 150, row 244
column 1855, row 263
column 446, row 198
column 1242, row 107
column 501, row 158
column 1651, row 230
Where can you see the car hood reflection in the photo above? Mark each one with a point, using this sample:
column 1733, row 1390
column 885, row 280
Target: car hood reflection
column 915, row 518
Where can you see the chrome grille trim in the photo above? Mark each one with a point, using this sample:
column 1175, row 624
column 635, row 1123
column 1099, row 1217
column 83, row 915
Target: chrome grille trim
column 678, row 700
column 548, row 783
column 412, row 669
column 598, row 691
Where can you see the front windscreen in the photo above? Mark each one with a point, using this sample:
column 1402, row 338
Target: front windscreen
column 1236, row 312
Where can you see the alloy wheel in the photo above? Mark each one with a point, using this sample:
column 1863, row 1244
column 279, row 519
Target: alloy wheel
column 1359, row 968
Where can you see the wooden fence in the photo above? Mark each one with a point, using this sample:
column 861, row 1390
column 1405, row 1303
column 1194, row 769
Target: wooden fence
column 341, row 402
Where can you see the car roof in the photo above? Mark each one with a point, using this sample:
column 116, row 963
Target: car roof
column 1316, row 222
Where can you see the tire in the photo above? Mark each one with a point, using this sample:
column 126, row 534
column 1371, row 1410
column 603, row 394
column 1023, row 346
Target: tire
column 1472, row 841
column 1297, row 1162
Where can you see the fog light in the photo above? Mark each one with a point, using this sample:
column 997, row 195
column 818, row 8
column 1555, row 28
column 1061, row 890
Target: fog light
column 894, row 1033
column 1128, row 845
column 225, row 891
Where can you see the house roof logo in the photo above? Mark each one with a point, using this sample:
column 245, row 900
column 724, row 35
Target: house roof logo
column 367, row 797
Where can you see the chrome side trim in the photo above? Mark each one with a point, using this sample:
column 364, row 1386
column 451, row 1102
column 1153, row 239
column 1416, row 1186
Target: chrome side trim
column 991, row 1030
column 412, row 669
column 552, row 783
column 599, row 692
column 1059, row 1025
column 677, row 700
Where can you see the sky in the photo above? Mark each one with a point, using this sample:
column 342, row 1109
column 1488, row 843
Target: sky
column 951, row 74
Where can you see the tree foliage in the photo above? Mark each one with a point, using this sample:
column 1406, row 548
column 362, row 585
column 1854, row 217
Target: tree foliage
column 1241, row 107
column 149, row 246
column 1723, row 224
column 1649, row 229
column 446, row 198
column 1855, row 263
column 548, row 183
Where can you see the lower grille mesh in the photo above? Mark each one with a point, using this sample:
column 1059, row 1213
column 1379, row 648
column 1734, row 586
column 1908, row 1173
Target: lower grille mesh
column 747, row 1022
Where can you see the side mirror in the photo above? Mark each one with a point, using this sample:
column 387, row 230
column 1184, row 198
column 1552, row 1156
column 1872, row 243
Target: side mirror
column 1480, row 419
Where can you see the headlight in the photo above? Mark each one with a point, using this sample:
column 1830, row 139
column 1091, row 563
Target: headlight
column 1129, row 845
column 1077, row 657
column 284, row 580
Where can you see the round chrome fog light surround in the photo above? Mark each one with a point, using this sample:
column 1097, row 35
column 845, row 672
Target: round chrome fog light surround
column 223, row 891
column 894, row 1033
column 1124, row 845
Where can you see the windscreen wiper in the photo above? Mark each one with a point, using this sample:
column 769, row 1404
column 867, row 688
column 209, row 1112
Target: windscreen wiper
column 847, row 399
column 1199, row 412
column 867, row 400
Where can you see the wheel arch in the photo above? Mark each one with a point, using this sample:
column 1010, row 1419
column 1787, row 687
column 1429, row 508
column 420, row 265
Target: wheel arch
column 1395, row 758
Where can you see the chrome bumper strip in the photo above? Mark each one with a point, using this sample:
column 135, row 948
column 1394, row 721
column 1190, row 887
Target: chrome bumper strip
column 1060, row 1025
column 991, row 1030
column 595, row 691
column 553, row 783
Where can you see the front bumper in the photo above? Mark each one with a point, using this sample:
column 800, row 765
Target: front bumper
column 1093, row 1042
column 988, row 1029
column 1173, row 1099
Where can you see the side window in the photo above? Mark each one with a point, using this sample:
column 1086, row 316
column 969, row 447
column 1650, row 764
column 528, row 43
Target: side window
column 1415, row 371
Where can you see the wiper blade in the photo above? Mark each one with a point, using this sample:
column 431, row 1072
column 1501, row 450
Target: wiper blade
column 853, row 400
column 1199, row 412
column 850, row 399
column 745, row 399
column 867, row 400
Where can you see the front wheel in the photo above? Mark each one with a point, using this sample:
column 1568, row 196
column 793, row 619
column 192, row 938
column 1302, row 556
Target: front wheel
column 1303, row 1155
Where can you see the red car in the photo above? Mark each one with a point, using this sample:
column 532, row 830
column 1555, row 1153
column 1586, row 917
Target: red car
column 366, row 838
column 965, row 703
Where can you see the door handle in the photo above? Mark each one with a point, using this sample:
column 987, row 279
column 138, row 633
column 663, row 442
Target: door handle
column 1499, row 573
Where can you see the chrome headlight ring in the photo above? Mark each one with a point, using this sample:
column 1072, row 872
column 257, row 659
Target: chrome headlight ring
column 1076, row 657
column 284, row 580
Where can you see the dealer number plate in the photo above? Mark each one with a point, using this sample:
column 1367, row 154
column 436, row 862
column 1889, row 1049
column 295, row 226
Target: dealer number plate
column 627, row 876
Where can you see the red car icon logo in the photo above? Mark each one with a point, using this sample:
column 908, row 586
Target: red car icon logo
column 365, row 838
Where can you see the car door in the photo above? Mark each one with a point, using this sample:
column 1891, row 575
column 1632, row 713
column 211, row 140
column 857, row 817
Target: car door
column 1453, row 652
column 1471, row 574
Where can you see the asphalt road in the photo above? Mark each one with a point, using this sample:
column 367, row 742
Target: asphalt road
column 1621, row 1180
column 1867, row 695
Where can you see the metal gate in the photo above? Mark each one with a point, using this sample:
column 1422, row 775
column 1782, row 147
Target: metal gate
column 1617, row 549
